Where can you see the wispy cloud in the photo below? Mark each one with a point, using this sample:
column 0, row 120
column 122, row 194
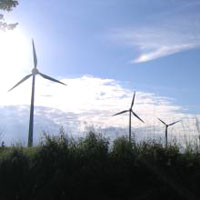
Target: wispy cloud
column 164, row 51
column 167, row 33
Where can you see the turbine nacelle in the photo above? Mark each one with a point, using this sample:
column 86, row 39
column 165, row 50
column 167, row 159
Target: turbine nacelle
column 35, row 71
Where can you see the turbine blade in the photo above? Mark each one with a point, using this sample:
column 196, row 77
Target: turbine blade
column 34, row 55
column 133, row 100
column 121, row 112
column 174, row 123
column 25, row 78
column 50, row 78
column 162, row 122
column 137, row 116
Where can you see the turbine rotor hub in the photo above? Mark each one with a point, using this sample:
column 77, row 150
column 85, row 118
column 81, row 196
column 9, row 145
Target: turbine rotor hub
column 35, row 71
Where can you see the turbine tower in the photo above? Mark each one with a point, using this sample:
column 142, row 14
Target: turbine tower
column 166, row 130
column 130, row 112
column 33, row 74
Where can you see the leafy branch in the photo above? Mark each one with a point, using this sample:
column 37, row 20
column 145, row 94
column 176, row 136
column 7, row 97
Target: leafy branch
column 7, row 5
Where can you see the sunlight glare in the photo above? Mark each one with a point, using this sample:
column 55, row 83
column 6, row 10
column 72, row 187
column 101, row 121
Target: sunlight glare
column 15, row 58
column 142, row 58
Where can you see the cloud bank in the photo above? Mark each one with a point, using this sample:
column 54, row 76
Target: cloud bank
column 86, row 102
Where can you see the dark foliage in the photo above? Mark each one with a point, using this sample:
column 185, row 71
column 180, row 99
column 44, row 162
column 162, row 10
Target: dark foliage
column 89, row 169
column 7, row 5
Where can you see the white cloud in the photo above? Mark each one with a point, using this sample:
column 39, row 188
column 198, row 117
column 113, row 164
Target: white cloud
column 164, row 51
column 86, row 101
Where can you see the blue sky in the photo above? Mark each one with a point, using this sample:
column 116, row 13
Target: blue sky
column 101, row 38
column 148, row 46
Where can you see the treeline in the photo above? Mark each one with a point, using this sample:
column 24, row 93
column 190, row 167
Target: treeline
column 90, row 168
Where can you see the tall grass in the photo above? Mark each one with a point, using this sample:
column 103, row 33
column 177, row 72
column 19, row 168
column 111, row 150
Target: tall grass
column 92, row 168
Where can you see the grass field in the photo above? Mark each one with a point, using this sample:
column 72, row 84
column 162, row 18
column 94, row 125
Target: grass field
column 91, row 168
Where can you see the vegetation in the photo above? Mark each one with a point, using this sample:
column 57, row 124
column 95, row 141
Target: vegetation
column 90, row 168
column 7, row 5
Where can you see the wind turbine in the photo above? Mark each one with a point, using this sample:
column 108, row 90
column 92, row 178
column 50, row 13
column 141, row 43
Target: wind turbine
column 166, row 130
column 130, row 112
column 33, row 74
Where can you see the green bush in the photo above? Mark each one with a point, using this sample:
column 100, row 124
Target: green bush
column 91, row 168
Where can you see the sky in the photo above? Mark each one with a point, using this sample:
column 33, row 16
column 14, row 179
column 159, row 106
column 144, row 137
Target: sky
column 104, row 50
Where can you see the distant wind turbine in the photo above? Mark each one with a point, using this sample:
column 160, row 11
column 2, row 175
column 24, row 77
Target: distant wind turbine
column 33, row 74
column 130, row 112
column 166, row 130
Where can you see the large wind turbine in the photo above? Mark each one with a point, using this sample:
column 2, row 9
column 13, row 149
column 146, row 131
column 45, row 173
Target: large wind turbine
column 166, row 130
column 130, row 112
column 33, row 74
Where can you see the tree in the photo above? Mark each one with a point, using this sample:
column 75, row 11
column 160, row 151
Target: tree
column 7, row 5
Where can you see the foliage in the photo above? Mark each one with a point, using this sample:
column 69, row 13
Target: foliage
column 7, row 5
column 63, row 168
